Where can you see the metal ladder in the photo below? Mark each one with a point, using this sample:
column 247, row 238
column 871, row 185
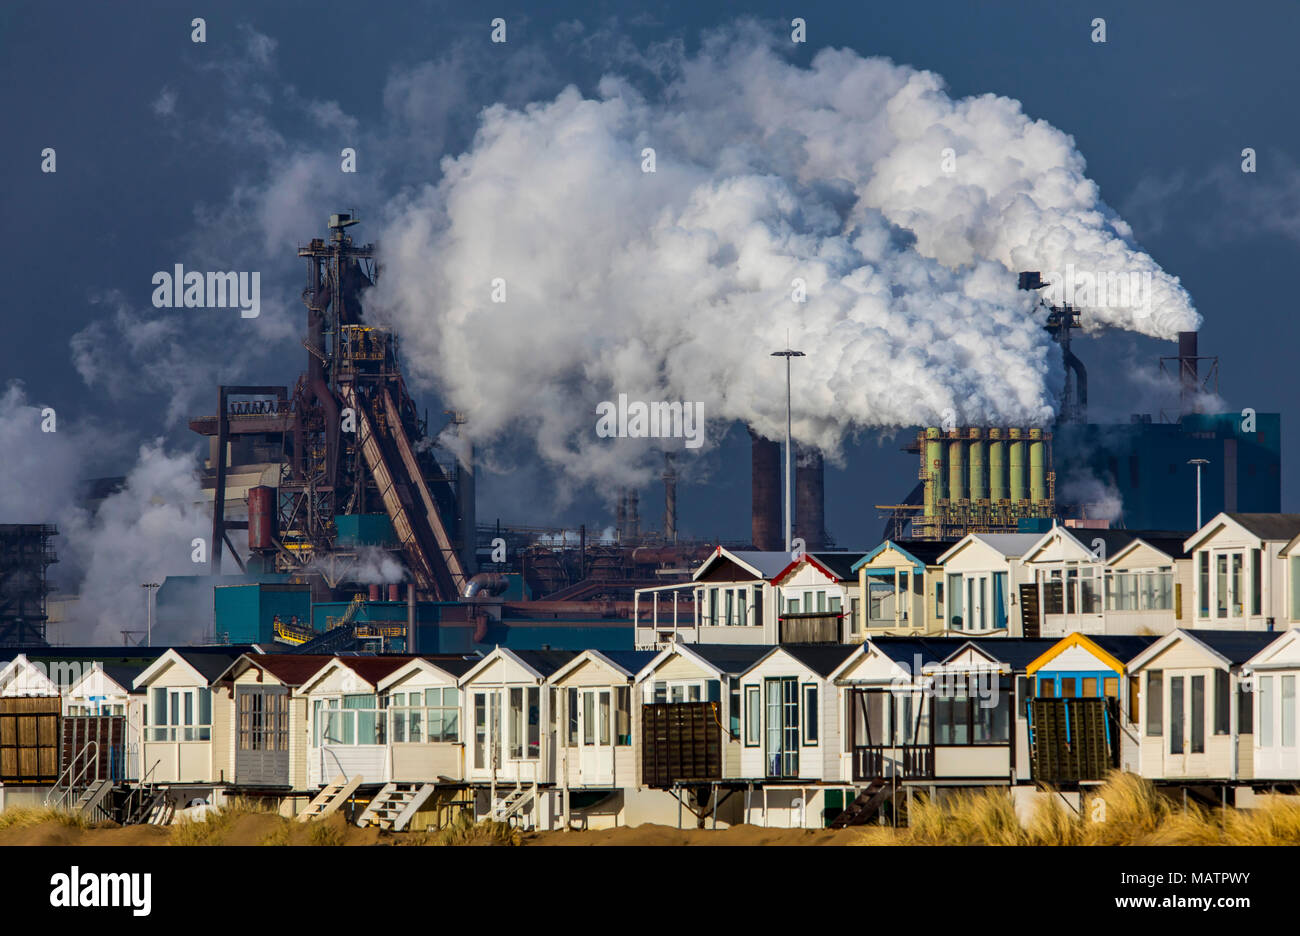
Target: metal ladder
column 64, row 792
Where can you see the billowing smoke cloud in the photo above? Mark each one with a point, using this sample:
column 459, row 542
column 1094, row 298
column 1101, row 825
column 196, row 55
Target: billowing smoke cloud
column 142, row 533
column 905, row 212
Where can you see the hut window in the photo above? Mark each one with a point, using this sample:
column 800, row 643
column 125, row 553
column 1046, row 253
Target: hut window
column 1198, row 714
column 1266, row 711
column 622, row 715
column 810, row 714
column 1245, row 711
column 572, row 705
column 1222, row 701
column 733, row 705
column 1204, row 577
column 753, row 716
column 1134, row 699
column 1155, row 703
column 1176, row 701
column 1256, row 581
column 443, row 714
column 1288, row 711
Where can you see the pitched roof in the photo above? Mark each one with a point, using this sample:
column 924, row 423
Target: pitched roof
column 631, row 660
column 292, row 669
column 545, row 662
column 1010, row 544
column 906, row 649
column 769, row 564
column 372, row 669
column 1123, row 647
column 731, row 659
column 1016, row 652
column 209, row 663
column 123, row 673
column 1269, row 526
column 1167, row 541
column 927, row 551
column 1235, row 646
column 822, row 659
column 840, row 564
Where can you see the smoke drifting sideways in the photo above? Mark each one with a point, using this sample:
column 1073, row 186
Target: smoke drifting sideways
column 142, row 533
column 677, row 284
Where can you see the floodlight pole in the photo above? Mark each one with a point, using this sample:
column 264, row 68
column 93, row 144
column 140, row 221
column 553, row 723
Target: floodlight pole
column 787, row 354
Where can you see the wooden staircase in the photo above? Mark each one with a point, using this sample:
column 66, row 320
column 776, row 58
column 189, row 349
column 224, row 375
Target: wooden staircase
column 510, row 805
column 394, row 805
column 867, row 805
column 331, row 797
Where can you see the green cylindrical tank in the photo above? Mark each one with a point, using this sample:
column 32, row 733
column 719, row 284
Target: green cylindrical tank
column 979, row 489
column 1037, row 468
column 956, row 466
column 997, row 466
column 1016, row 465
column 936, row 482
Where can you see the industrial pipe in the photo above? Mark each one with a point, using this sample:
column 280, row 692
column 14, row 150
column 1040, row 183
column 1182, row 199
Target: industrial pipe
column 956, row 467
column 935, row 486
column 978, row 456
column 997, row 466
column 1016, row 465
column 491, row 583
column 1037, row 468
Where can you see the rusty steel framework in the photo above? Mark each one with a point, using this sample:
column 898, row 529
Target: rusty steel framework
column 350, row 437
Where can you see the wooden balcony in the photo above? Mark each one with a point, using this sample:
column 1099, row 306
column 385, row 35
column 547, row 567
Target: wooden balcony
column 899, row 761
column 813, row 627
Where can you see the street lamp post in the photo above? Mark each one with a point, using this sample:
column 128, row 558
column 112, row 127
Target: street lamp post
column 1198, row 462
column 150, row 589
column 787, row 354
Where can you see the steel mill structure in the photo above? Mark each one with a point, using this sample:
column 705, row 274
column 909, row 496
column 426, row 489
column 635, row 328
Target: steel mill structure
column 25, row 555
column 978, row 480
column 347, row 445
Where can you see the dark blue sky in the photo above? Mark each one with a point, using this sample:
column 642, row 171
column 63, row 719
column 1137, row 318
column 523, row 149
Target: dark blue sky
column 1161, row 111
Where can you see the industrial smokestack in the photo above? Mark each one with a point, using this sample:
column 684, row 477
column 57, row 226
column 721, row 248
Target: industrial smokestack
column 467, row 504
column 1189, row 379
column 810, row 498
column 670, row 499
column 766, row 493
column 633, row 516
column 620, row 517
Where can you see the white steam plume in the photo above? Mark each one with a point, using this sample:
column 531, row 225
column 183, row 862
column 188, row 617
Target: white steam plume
column 676, row 285
column 142, row 533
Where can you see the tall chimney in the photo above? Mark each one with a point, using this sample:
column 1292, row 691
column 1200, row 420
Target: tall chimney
column 766, row 493
column 1188, row 378
column 467, row 503
column 670, row 499
column 810, row 498
column 633, row 516
column 620, row 517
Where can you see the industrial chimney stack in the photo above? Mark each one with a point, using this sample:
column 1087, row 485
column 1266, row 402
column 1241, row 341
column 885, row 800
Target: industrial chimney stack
column 766, row 493
column 810, row 498
column 1188, row 376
